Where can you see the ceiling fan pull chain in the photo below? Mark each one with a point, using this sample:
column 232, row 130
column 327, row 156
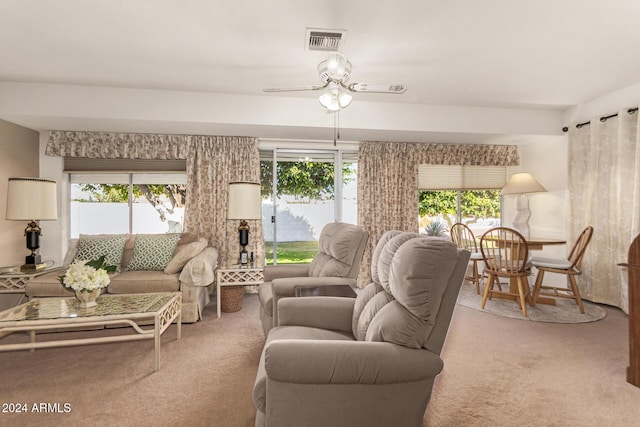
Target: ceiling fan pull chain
column 336, row 127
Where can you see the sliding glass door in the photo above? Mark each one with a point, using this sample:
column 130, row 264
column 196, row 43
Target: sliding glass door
column 302, row 192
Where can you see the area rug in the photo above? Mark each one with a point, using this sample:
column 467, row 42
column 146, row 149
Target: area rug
column 565, row 310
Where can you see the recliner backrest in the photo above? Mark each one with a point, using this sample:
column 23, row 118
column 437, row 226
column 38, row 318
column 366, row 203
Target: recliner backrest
column 341, row 248
column 415, row 273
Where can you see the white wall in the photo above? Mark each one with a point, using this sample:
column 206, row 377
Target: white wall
column 18, row 157
column 547, row 162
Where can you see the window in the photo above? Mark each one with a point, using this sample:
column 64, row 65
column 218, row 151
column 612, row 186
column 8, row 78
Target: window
column 467, row 194
column 312, row 188
column 126, row 203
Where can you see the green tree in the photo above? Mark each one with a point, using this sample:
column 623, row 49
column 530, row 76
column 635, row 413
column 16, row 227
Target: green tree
column 312, row 180
column 433, row 203
column 473, row 203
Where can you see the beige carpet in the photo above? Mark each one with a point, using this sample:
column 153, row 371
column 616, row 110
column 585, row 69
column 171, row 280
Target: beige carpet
column 205, row 379
column 506, row 372
column 498, row 372
column 565, row 310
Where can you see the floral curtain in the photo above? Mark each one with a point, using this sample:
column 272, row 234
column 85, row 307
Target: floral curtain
column 388, row 183
column 604, row 172
column 212, row 162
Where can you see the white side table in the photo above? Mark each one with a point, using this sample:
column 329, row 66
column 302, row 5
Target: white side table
column 237, row 276
column 15, row 281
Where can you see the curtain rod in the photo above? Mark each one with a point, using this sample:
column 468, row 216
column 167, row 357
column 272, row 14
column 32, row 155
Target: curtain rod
column 602, row 119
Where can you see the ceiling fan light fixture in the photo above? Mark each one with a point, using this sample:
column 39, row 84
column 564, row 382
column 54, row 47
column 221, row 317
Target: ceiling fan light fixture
column 335, row 97
column 344, row 99
column 329, row 101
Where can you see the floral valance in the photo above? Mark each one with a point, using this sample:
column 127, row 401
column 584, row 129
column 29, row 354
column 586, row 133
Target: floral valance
column 461, row 154
column 107, row 145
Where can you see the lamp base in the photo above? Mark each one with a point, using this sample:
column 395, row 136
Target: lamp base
column 32, row 259
column 32, row 268
column 523, row 213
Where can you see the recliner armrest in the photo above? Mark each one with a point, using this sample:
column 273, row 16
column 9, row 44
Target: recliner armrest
column 286, row 287
column 283, row 288
column 199, row 271
column 272, row 272
column 348, row 362
column 332, row 313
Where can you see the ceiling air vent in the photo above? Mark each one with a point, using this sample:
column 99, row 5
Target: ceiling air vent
column 324, row 39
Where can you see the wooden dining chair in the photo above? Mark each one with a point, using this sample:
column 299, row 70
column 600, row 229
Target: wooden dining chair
column 506, row 254
column 569, row 267
column 464, row 238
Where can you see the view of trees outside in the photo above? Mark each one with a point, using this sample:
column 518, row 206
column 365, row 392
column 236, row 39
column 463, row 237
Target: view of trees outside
column 480, row 210
column 305, row 202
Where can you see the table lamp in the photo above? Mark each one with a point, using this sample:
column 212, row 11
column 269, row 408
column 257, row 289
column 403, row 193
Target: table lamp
column 522, row 183
column 32, row 199
column 244, row 203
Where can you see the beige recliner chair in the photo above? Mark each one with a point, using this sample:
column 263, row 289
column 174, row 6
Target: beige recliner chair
column 369, row 361
column 337, row 263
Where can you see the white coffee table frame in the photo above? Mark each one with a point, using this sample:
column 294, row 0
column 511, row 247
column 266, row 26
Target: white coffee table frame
column 163, row 317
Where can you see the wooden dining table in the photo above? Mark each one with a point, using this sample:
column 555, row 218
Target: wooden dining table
column 533, row 244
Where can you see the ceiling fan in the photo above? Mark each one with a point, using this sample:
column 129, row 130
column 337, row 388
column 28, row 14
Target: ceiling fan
column 334, row 73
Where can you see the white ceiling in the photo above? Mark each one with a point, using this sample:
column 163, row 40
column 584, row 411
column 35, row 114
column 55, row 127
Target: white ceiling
column 543, row 54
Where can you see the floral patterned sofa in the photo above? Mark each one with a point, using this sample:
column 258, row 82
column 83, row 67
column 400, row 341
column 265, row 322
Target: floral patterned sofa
column 146, row 263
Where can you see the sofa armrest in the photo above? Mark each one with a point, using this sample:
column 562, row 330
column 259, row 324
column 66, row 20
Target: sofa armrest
column 348, row 362
column 272, row 272
column 332, row 313
column 199, row 271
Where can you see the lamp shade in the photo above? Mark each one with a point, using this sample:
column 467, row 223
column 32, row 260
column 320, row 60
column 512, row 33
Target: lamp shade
column 30, row 199
column 244, row 201
column 521, row 183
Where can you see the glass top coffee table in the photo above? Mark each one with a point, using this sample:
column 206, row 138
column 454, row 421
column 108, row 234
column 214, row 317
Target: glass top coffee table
column 41, row 314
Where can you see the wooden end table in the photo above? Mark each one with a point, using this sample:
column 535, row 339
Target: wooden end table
column 237, row 276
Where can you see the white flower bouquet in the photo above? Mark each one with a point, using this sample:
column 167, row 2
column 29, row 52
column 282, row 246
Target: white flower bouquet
column 87, row 276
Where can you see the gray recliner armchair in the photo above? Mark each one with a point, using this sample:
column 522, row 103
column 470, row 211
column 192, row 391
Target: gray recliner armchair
column 341, row 247
column 370, row 361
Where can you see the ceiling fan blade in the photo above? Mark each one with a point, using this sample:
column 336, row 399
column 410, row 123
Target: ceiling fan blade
column 377, row 88
column 294, row 88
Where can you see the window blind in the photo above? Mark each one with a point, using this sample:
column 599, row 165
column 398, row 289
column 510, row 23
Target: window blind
column 81, row 164
column 456, row 177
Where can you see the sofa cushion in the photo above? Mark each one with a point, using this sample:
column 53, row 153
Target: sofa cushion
column 71, row 253
column 48, row 285
column 183, row 253
column 153, row 251
column 92, row 247
column 143, row 281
